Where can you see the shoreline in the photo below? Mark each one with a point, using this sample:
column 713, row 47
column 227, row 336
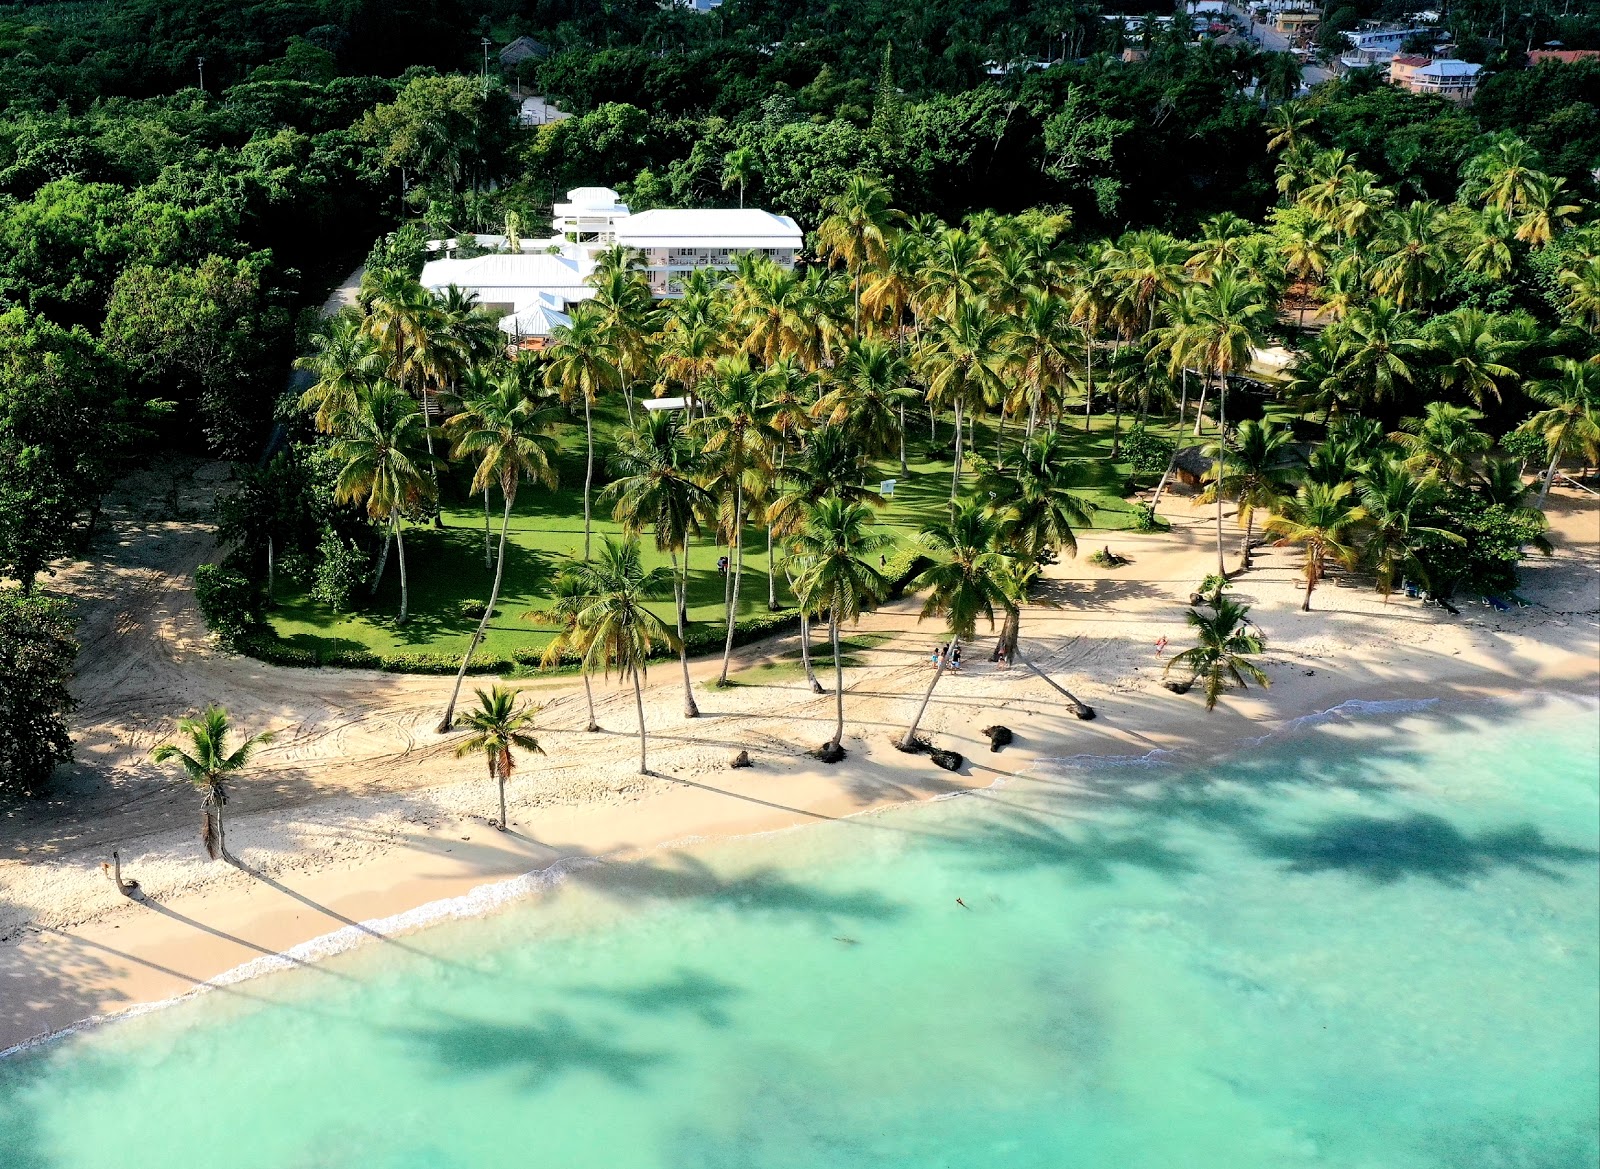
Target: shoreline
column 487, row 897
column 358, row 813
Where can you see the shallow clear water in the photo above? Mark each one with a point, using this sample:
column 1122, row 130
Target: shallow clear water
column 1369, row 943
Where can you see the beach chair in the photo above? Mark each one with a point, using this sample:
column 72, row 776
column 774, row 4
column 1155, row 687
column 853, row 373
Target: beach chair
column 1499, row 605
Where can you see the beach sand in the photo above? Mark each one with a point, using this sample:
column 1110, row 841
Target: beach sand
column 359, row 812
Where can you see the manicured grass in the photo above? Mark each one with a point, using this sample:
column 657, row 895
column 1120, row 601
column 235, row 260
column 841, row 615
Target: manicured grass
column 446, row 566
column 789, row 665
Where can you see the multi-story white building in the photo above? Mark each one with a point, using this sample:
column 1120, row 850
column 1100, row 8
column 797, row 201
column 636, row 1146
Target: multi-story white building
column 548, row 275
column 1375, row 47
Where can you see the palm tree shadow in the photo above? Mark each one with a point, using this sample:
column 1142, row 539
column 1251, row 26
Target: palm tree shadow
column 691, row 991
column 542, row 1050
column 1385, row 850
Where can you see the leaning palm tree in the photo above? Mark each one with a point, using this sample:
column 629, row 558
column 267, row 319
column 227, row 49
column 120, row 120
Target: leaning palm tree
column 383, row 464
column 210, row 766
column 583, row 366
column 965, row 582
column 620, row 631
column 508, row 433
column 499, row 727
column 1321, row 518
column 1570, row 421
column 1224, row 645
column 656, row 485
column 835, row 546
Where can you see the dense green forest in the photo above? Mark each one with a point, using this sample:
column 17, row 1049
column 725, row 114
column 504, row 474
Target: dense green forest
column 181, row 183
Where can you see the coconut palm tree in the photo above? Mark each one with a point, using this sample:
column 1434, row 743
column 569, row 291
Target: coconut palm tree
column 887, row 290
column 345, row 360
column 1256, row 472
column 508, row 433
column 966, row 581
column 568, row 597
column 1395, row 500
column 1502, row 175
column 955, row 270
column 965, row 359
column 1382, row 350
column 838, row 578
column 1581, row 282
column 867, row 394
column 1470, row 353
column 655, row 484
column 627, row 320
column 1321, row 519
column 383, row 463
column 1042, row 337
column 499, row 729
column 619, row 630
column 1444, row 440
column 1412, row 258
column 1035, row 500
column 1570, row 421
column 1224, row 644
column 738, row 439
column 856, row 231
column 1286, row 126
column 583, row 366
column 1484, row 241
column 770, row 317
column 1545, row 213
column 739, row 169
column 211, row 767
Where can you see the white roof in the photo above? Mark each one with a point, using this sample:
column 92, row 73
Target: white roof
column 534, row 320
column 733, row 228
column 1448, row 68
column 591, row 199
column 512, row 278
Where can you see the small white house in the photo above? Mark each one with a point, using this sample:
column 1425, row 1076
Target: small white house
column 675, row 242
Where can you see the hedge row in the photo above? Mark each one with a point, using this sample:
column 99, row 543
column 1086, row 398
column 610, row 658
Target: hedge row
column 264, row 644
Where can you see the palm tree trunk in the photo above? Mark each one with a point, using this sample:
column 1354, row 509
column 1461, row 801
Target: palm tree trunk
column 638, row 705
column 680, row 585
column 427, row 435
column 955, row 473
column 838, row 680
column 999, row 441
column 1200, row 406
column 1033, row 407
column 1311, row 583
column 488, row 550
column 500, row 783
column 588, row 697
column 1222, row 465
column 903, row 471
column 222, row 831
column 405, row 588
column 483, row 623
column 1088, row 365
column 1249, row 531
column 772, row 576
column 588, row 470
column 738, row 571
column 1549, row 478
column 383, row 562
column 944, row 658
column 1116, row 428
column 271, row 566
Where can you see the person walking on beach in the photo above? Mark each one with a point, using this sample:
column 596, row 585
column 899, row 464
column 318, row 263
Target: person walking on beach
column 1161, row 645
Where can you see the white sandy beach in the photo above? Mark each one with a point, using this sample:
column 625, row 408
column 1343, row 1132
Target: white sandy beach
column 358, row 811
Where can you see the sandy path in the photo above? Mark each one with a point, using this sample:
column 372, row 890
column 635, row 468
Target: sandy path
column 360, row 810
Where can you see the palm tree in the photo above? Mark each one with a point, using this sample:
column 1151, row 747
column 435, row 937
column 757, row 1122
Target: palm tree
column 655, row 485
column 1256, row 473
column 1035, row 500
column 1445, row 440
column 739, row 169
column 211, row 767
column 507, row 432
column 404, row 318
column 857, row 229
column 1222, row 323
column 1581, row 280
column 583, row 365
column 1224, row 645
column 954, row 270
column 1470, row 353
column 964, row 359
column 1484, row 240
column 1502, row 175
column 383, row 463
column 1322, row 519
column 1413, row 259
column 1042, row 337
column 1286, row 125
column 1394, row 500
column 345, row 360
column 867, row 397
column 1570, row 421
column 1544, row 214
column 887, row 290
column 567, row 601
column 618, row 628
column 499, row 727
column 965, row 582
column 738, row 438
column 1381, row 348
column 769, row 309
column 838, row 578
column 627, row 318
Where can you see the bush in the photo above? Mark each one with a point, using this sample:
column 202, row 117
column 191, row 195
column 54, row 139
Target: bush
column 230, row 603
column 341, row 569
column 1149, row 454
column 37, row 652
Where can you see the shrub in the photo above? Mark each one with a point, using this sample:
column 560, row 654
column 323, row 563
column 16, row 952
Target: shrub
column 341, row 568
column 230, row 603
column 1147, row 453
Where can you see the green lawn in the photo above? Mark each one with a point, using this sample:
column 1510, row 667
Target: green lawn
column 446, row 566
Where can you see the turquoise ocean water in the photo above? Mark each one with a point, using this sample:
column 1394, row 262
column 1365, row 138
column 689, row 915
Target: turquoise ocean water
column 1371, row 942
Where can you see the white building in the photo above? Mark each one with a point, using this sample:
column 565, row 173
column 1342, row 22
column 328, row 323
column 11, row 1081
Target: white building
column 1375, row 47
column 531, row 289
